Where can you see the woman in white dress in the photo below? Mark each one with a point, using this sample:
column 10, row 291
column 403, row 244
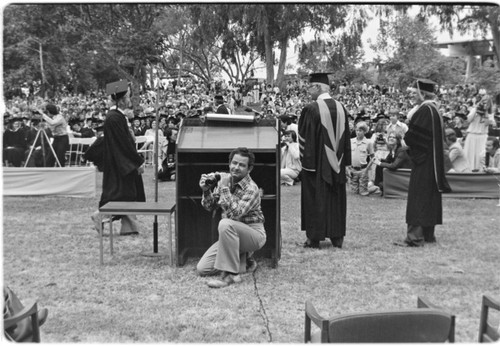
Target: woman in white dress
column 480, row 117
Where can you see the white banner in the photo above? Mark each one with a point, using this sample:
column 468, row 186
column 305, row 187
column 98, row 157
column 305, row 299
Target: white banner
column 59, row 181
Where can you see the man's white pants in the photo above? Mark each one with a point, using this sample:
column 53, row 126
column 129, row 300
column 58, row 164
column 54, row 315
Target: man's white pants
column 235, row 238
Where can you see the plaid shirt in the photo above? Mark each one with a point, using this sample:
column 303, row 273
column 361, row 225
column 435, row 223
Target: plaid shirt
column 243, row 204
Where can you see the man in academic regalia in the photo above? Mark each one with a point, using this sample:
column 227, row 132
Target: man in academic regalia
column 14, row 143
column 425, row 138
column 122, row 165
column 325, row 150
column 219, row 104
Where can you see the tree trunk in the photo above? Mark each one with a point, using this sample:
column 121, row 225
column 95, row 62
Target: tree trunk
column 181, row 58
column 268, row 44
column 282, row 64
column 42, row 70
column 136, row 87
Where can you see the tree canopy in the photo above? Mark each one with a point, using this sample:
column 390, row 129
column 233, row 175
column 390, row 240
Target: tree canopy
column 83, row 46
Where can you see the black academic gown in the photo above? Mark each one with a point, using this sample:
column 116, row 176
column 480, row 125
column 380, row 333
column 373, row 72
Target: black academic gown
column 121, row 180
column 14, row 146
column 323, row 199
column 222, row 109
column 427, row 180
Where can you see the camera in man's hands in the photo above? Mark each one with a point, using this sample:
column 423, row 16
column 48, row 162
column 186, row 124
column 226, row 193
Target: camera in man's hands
column 212, row 180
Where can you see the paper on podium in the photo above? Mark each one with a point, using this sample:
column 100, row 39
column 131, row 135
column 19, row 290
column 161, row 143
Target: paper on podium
column 230, row 117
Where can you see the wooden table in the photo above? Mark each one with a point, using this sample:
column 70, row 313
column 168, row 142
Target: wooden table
column 136, row 208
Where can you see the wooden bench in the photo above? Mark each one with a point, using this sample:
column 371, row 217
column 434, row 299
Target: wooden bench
column 136, row 208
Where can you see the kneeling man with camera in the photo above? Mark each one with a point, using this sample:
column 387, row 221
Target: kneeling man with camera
column 241, row 229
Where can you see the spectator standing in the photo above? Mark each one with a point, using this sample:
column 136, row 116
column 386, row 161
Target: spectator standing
column 290, row 159
column 361, row 152
column 427, row 180
column 479, row 118
column 325, row 152
column 59, row 128
column 395, row 124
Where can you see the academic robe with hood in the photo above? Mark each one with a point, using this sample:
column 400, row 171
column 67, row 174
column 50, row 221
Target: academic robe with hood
column 427, row 180
column 121, row 180
column 323, row 187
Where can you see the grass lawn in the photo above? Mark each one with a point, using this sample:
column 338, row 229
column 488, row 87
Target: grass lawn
column 51, row 254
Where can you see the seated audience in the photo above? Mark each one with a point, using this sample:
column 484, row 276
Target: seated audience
column 490, row 157
column 458, row 160
column 380, row 152
column 14, row 143
column 397, row 158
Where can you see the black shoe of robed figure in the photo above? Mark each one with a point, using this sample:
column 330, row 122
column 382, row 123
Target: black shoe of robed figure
column 310, row 244
column 337, row 242
column 405, row 244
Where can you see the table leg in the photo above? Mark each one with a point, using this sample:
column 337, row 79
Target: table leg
column 111, row 234
column 101, row 226
column 171, row 255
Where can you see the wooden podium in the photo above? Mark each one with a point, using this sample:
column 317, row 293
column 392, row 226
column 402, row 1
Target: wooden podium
column 204, row 147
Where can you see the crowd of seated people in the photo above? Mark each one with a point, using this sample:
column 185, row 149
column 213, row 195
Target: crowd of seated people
column 466, row 109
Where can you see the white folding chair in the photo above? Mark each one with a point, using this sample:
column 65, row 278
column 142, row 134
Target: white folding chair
column 72, row 153
column 144, row 147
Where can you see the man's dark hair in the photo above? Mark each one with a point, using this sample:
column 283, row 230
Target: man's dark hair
column 51, row 109
column 242, row 151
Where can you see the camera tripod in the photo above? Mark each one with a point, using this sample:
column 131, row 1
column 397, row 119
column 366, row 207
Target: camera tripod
column 43, row 137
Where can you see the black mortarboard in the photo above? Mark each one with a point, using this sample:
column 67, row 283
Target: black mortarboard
column 319, row 77
column 73, row 122
column 219, row 97
column 424, row 84
column 117, row 89
column 14, row 119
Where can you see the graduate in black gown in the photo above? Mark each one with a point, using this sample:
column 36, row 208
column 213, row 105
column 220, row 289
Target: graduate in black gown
column 122, row 165
column 425, row 139
column 14, row 143
column 325, row 150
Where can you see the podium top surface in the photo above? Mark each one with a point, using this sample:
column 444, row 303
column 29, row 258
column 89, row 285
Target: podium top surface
column 228, row 137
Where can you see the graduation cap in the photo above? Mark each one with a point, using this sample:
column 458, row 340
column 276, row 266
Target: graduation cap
column 73, row 122
column 219, row 98
column 425, row 85
column 319, row 77
column 117, row 89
